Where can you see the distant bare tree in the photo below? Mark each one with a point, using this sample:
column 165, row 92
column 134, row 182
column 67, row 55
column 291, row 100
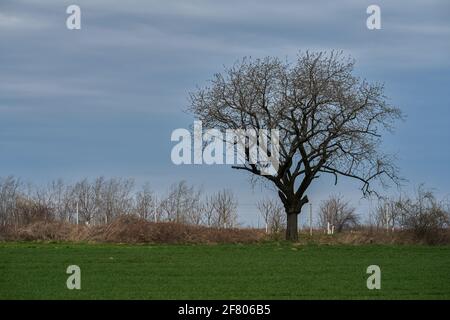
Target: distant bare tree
column 114, row 197
column 388, row 214
column 225, row 206
column 62, row 203
column 338, row 213
column 84, row 194
column 193, row 207
column 55, row 196
column 219, row 210
column 208, row 211
column 273, row 215
column 182, row 204
column 146, row 203
column 28, row 210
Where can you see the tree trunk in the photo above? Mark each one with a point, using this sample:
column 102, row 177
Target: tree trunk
column 293, row 204
column 292, row 226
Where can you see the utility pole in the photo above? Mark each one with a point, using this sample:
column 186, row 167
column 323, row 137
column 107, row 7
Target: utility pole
column 77, row 213
column 310, row 219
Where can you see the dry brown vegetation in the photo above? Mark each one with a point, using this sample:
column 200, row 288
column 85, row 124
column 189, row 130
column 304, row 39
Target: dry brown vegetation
column 110, row 212
column 367, row 236
column 132, row 229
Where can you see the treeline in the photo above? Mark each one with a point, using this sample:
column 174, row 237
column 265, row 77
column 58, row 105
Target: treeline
column 422, row 214
column 100, row 200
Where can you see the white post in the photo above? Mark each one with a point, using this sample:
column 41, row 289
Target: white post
column 332, row 229
column 77, row 213
column 387, row 217
column 310, row 219
column 328, row 228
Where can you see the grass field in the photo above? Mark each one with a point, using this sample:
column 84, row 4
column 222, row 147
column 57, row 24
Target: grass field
column 264, row 271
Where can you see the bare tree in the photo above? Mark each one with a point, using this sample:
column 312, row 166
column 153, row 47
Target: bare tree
column 21, row 204
column 182, row 204
column 84, row 194
column 62, row 203
column 114, row 197
column 388, row 214
column 273, row 215
column 55, row 196
column 220, row 210
column 329, row 121
column 146, row 204
column 208, row 211
column 101, row 200
column 9, row 193
column 338, row 213
column 225, row 209
column 193, row 206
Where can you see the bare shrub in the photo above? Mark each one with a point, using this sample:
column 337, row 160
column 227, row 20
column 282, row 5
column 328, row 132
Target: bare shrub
column 338, row 213
column 41, row 231
column 427, row 217
column 132, row 229
column 28, row 211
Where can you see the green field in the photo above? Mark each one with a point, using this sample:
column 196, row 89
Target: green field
column 264, row 271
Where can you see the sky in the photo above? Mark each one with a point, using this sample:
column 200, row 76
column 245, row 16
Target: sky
column 104, row 100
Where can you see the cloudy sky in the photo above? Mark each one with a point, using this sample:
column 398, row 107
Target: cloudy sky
column 104, row 100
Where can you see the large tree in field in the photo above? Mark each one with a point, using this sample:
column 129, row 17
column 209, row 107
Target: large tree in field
column 329, row 121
